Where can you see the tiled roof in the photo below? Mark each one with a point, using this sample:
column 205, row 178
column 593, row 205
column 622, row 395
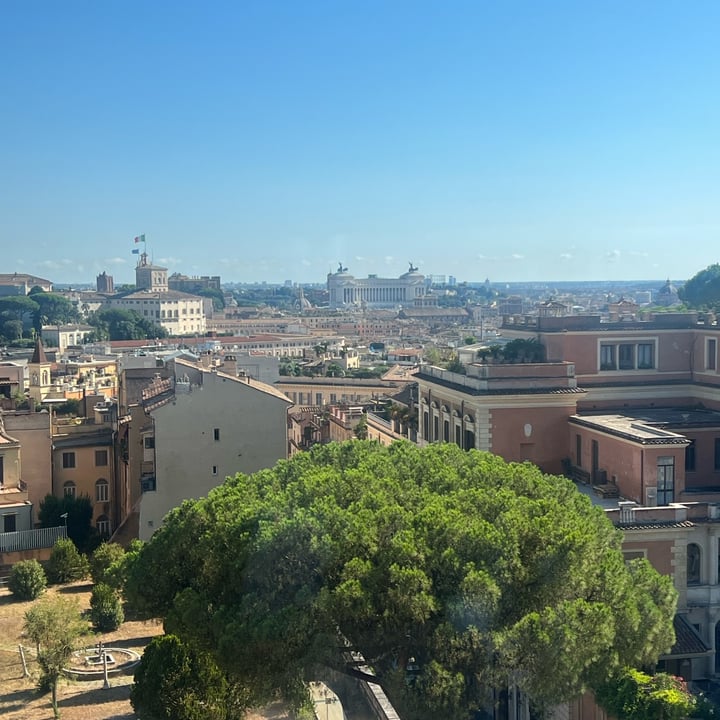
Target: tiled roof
column 10, row 278
column 657, row 525
column 687, row 641
column 246, row 380
column 158, row 295
column 335, row 381
column 498, row 391
column 7, row 440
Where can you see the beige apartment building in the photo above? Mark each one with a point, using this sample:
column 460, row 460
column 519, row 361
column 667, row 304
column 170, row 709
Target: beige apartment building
column 32, row 431
column 337, row 391
column 203, row 426
column 177, row 312
column 83, row 462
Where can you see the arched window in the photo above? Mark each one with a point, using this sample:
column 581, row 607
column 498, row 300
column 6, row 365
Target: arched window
column 103, row 526
column 693, row 564
column 69, row 489
column 102, row 493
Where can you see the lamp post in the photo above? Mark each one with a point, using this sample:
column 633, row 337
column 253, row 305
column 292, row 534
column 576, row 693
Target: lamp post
column 64, row 517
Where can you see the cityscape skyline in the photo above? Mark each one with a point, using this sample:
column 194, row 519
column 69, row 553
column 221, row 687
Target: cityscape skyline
column 264, row 141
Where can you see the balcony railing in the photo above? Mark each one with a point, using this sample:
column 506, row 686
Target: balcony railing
column 31, row 539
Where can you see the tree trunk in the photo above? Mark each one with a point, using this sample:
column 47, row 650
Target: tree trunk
column 53, row 697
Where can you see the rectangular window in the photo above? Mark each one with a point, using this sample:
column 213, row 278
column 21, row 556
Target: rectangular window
column 101, row 458
column 10, row 522
column 2, row 472
column 578, row 450
column 711, row 355
column 68, row 460
column 626, row 357
column 458, row 436
column 594, row 458
column 607, row 357
column 446, row 430
column 690, row 457
column 214, row 469
column 717, row 454
column 645, row 356
column 216, row 434
column 149, row 442
column 103, row 528
column 665, row 480
column 318, row 399
column 469, row 439
column 101, row 492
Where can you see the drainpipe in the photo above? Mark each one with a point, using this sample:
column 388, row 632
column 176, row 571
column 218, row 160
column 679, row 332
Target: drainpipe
column 430, row 417
column 642, row 476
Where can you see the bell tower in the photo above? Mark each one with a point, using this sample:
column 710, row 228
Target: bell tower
column 39, row 373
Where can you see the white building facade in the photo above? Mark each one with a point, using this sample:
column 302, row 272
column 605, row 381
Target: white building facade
column 179, row 313
column 206, row 425
column 346, row 291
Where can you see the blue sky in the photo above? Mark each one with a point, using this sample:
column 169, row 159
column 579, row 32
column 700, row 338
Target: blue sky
column 271, row 140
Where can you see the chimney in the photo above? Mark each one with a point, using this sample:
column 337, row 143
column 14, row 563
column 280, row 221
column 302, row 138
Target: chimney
column 627, row 511
column 230, row 365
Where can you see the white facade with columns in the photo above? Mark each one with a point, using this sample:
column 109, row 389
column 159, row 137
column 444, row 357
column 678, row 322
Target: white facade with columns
column 374, row 292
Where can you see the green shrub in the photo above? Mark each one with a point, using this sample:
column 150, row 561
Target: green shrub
column 27, row 580
column 106, row 611
column 66, row 564
column 69, row 407
column 174, row 681
column 635, row 695
column 705, row 709
column 102, row 561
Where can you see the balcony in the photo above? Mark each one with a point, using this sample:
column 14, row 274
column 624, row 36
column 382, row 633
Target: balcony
column 23, row 540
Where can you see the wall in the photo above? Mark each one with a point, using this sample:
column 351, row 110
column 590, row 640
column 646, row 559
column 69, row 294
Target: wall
column 189, row 462
column 86, row 473
column 534, row 433
column 305, row 391
column 32, row 430
column 705, row 473
column 633, row 466
column 23, row 513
